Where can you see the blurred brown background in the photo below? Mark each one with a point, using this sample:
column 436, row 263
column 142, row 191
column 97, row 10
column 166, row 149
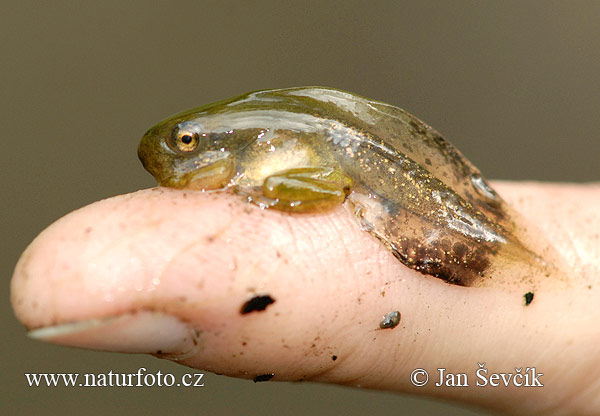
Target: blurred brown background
column 514, row 84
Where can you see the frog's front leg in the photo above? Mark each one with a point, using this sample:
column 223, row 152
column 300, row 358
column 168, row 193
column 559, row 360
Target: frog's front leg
column 306, row 189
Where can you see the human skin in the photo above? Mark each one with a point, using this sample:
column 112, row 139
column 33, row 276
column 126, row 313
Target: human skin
column 184, row 263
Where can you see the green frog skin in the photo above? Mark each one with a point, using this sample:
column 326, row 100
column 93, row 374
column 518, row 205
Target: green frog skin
column 310, row 149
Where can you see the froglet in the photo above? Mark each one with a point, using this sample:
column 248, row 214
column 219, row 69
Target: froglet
column 310, row 149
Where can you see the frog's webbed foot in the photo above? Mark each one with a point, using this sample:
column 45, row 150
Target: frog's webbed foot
column 303, row 190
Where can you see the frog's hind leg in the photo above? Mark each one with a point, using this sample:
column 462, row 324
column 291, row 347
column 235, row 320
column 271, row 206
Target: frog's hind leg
column 306, row 189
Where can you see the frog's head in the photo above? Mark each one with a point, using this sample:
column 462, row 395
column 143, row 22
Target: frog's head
column 190, row 150
column 197, row 148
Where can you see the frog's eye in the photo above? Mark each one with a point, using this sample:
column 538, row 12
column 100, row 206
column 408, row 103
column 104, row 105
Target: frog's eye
column 186, row 140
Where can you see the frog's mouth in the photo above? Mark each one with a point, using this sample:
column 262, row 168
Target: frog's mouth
column 207, row 173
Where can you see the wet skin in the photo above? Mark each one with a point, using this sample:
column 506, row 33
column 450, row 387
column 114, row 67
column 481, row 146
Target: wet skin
column 311, row 149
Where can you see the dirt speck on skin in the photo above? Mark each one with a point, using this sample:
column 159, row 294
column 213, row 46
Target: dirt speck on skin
column 528, row 298
column 263, row 377
column 390, row 321
column 256, row 304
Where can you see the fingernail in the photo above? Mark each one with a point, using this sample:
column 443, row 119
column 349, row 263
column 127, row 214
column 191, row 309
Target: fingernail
column 143, row 332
